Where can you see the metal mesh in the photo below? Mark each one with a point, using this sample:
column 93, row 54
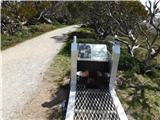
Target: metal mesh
column 94, row 104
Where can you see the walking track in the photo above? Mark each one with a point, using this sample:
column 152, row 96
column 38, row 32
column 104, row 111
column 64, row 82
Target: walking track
column 23, row 66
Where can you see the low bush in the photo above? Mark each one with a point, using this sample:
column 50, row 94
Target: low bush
column 41, row 28
column 26, row 33
column 128, row 63
column 83, row 33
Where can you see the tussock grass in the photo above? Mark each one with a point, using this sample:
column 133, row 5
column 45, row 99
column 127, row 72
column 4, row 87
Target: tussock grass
column 26, row 33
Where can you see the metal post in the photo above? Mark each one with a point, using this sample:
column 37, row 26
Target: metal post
column 74, row 55
column 72, row 94
column 115, row 60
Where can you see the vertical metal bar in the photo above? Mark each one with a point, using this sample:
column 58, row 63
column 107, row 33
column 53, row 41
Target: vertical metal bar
column 74, row 55
column 114, row 66
column 72, row 94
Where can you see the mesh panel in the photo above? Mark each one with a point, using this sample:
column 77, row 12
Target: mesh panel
column 94, row 104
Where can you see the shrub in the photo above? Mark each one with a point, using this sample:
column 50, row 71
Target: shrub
column 128, row 63
column 34, row 28
column 26, row 33
column 81, row 33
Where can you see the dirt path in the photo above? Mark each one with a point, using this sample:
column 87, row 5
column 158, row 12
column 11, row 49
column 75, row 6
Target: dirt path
column 45, row 105
column 22, row 70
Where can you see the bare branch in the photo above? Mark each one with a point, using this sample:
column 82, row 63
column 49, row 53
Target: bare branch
column 156, row 53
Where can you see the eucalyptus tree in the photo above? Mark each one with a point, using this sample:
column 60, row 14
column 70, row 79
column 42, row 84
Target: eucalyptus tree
column 126, row 16
column 115, row 18
column 16, row 14
column 151, row 30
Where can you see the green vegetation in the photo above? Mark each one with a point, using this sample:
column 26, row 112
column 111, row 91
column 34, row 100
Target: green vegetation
column 61, row 65
column 58, row 73
column 16, row 14
column 138, row 92
column 83, row 33
column 26, row 33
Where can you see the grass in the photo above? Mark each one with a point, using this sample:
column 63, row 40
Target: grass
column 60, row 67
column 83, row 33
column 142, row 103
column 25, row 34
column 56, row 74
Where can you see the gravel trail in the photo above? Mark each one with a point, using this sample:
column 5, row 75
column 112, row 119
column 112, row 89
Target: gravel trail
column 23, row 66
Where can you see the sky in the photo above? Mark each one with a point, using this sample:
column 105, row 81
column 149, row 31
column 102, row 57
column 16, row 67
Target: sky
column 144, row 3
